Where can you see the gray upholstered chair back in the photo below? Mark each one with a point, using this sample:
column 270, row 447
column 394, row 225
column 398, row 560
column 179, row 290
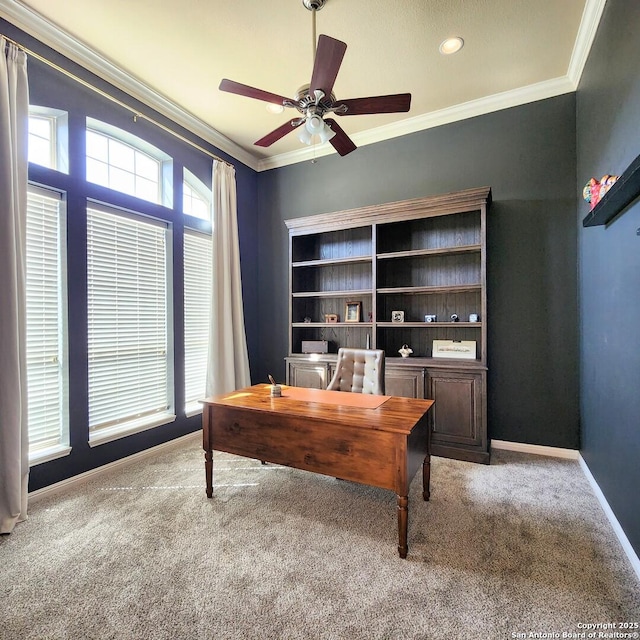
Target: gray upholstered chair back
column 359, row 371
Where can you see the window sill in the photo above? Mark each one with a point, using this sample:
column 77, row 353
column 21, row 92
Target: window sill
column 46, row 455
column 122, row 430
column 192, row 409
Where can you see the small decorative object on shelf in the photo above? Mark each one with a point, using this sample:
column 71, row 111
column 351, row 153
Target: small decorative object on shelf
column 307, row 320
column 594, row 190
column 352, row 312
column 397, row 316
column 454, row 317
column 474, row 317
column 330, row 318
column 315, row 346
column 405, row 351
column 431, row 318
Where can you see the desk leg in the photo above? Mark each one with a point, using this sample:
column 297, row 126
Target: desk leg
column 426, row 477
column 403, row 519
column 208, row 471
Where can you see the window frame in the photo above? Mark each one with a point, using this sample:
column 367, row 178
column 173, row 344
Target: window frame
column 191, row 405
column 201, row 190
column 59, row 142
column 114, row 430
column 62, row 447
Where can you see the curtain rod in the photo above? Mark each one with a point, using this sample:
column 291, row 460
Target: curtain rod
column 104, row 94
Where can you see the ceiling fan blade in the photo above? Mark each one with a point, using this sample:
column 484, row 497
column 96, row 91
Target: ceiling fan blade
column 251, row 92
column 341, row 142
column 278, row 133
column 376, row 104
column 329, row 56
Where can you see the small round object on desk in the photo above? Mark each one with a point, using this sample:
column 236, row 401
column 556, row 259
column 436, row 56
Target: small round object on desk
column 276, row 391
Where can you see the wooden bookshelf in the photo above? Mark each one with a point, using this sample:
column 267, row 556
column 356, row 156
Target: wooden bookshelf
column 421, row 256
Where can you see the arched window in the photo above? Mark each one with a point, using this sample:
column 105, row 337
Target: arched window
column 123, row 162
column 196, row 197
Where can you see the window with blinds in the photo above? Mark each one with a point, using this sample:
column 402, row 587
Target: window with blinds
column 129, row 377
column 47, row 377
column 197, row 309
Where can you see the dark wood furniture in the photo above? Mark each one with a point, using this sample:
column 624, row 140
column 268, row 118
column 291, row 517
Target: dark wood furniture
column 423, row 257
column 381, row 446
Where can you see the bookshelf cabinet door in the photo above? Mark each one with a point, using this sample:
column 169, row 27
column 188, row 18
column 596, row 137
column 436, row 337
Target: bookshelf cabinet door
column 304, row 373
column 458, row 429
column 407, row 382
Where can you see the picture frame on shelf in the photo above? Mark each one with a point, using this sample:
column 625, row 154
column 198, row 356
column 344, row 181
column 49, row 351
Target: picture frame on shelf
column 331, row 318
column 397, row 316
column 459, row 349
column 353, row 311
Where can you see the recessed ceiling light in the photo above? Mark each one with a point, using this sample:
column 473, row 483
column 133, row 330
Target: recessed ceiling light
column 451, row 45
column 275, row 108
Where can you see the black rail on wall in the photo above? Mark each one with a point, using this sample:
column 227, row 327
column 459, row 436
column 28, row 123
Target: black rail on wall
column 620, row 195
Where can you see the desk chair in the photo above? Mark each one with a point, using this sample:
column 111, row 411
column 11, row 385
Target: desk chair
column 359, row 371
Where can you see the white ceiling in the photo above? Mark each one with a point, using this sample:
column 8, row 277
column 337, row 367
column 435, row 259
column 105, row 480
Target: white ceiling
column 173, row 54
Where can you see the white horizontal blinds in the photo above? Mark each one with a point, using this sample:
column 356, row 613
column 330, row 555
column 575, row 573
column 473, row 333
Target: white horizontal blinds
column 127, row 318
column 197, row 308
column 46, row 352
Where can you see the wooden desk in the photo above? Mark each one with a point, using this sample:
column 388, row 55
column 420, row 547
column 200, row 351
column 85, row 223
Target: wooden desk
column 327, row 432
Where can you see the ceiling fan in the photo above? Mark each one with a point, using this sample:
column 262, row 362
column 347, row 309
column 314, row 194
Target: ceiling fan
column 316, row 99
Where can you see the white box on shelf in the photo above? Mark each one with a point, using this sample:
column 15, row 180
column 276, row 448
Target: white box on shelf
column 463, row 349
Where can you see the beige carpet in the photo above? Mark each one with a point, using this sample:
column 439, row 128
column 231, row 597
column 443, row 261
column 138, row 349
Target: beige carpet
column 515, row 547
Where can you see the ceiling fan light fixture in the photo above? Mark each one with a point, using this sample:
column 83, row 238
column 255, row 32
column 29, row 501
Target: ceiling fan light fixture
column 451, row 45
column 314, row 124
column 304, row 136
column 326, row 134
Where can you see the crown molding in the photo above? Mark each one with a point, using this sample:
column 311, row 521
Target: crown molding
column 471, row 109
column 584, row 40
column 51, row 35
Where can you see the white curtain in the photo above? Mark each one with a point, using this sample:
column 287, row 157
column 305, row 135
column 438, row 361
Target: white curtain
column 14, row 436
column 228, row 360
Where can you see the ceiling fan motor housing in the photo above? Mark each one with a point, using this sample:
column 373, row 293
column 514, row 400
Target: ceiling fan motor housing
column 313, row 5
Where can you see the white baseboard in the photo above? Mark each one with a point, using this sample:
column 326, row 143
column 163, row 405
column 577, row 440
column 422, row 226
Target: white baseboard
column 63, row 485
column 613, row 521
column 537, row 449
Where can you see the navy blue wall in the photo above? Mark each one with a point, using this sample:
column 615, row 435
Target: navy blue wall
column 50, row 88
column 527, row 155
column 608, row 117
